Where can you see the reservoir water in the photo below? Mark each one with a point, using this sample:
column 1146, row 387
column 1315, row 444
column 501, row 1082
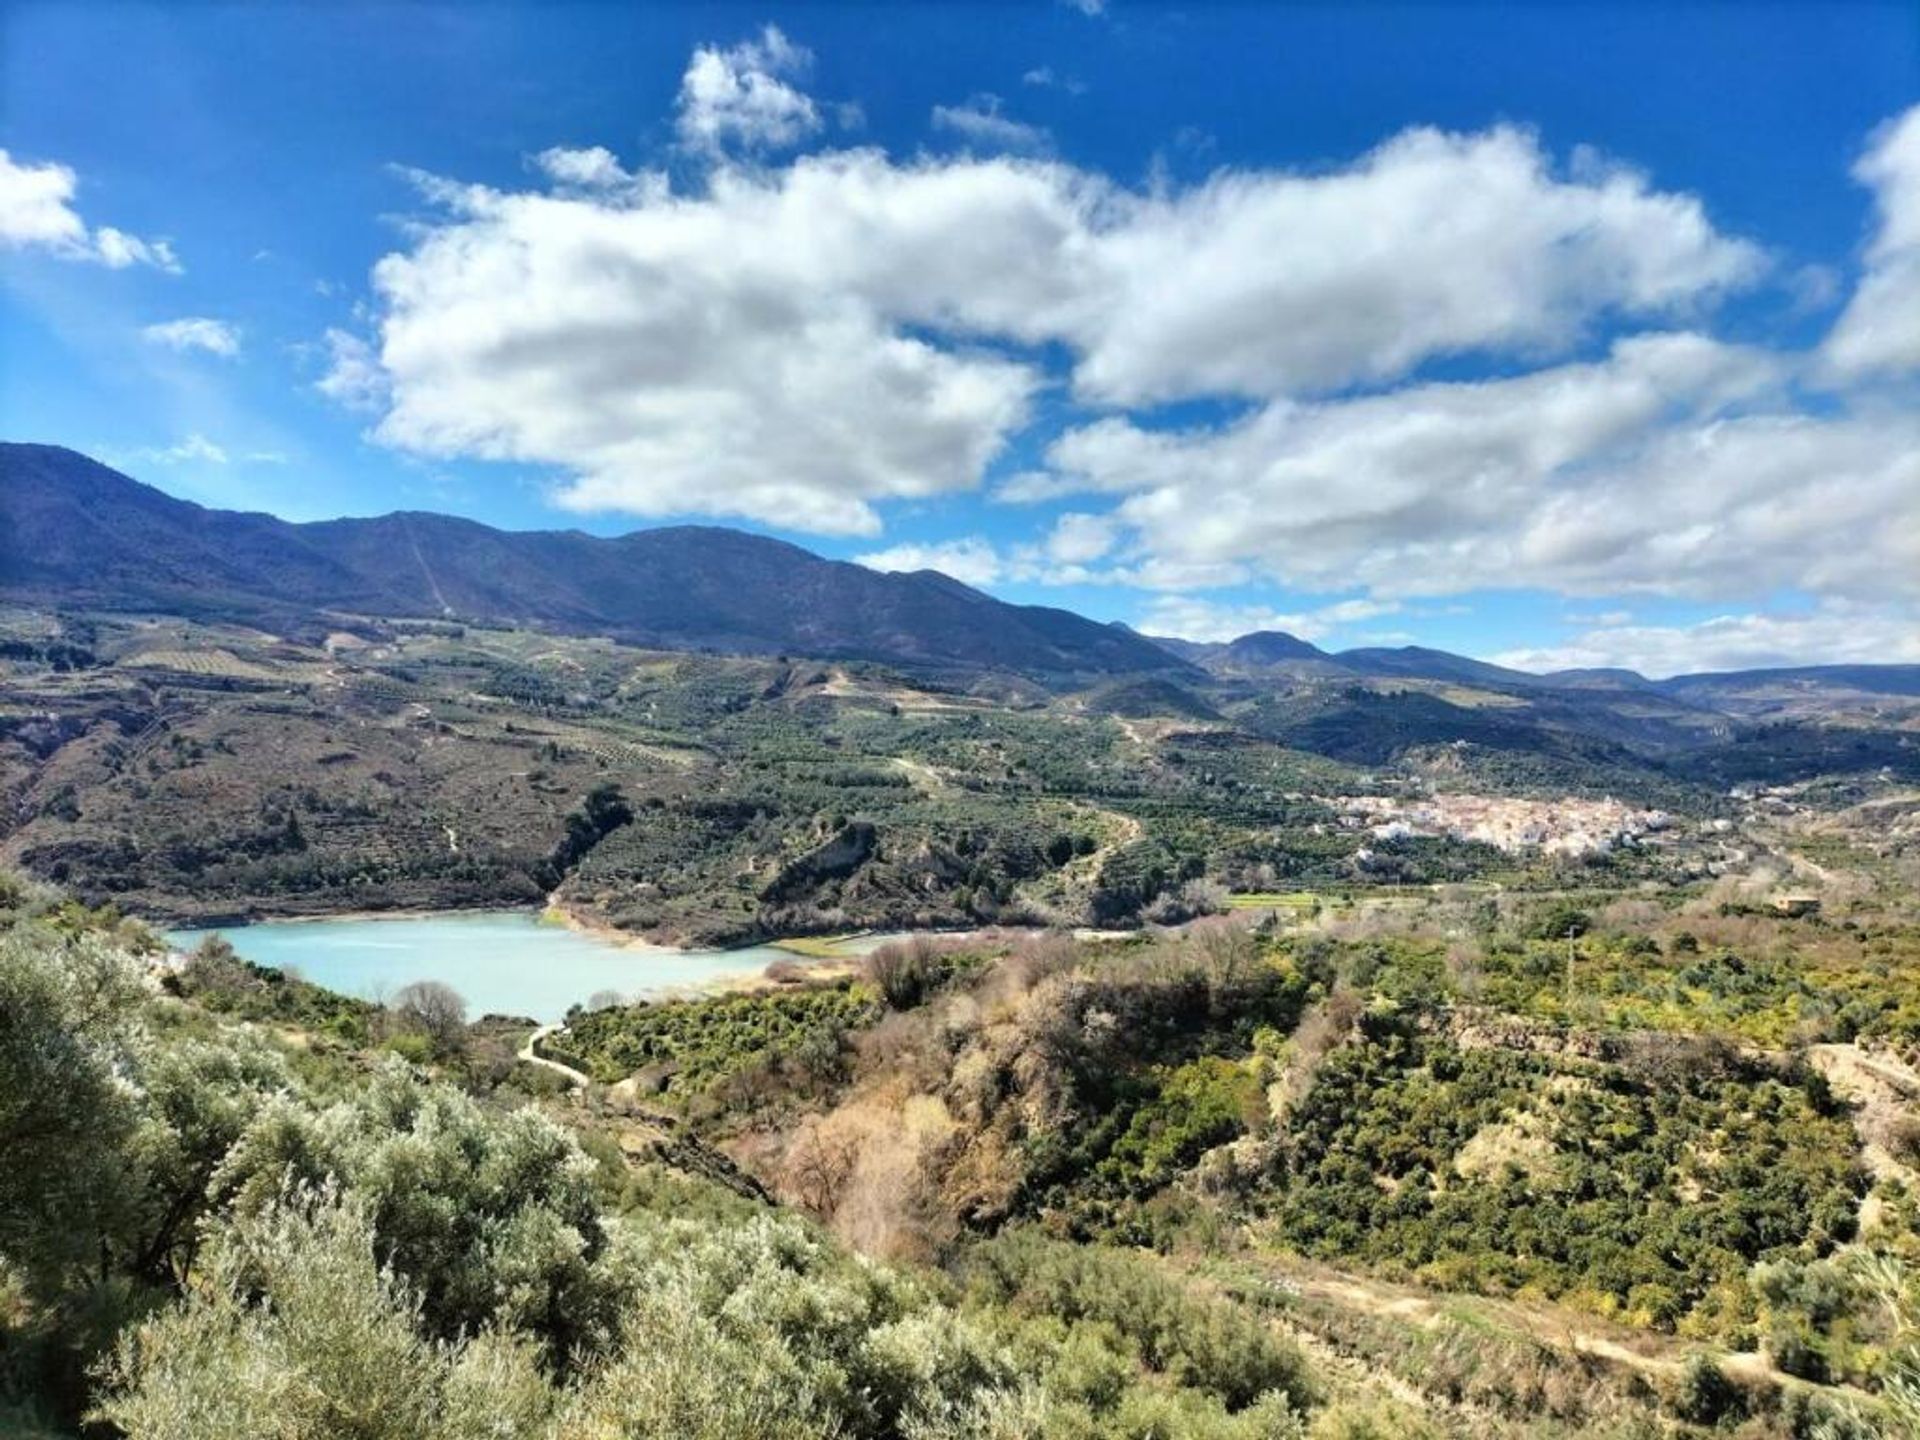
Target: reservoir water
column 506, row 962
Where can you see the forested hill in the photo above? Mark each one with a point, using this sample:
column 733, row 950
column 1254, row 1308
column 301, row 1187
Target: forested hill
column 73, row 531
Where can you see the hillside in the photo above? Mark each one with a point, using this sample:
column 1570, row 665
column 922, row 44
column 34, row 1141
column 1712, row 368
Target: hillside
column 1376, row 1172
column 198, row 771
column 75, row 532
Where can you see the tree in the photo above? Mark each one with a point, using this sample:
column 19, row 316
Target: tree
column 67, row 1107
column 904, row 972
column 336, row 1352
column 436, row 1009
column 491, row 1220
column 604, row 810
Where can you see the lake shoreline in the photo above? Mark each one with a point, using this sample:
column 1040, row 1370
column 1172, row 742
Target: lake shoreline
column 804, row 946
column 518, row 961
column 548, row 914
column 537, row 961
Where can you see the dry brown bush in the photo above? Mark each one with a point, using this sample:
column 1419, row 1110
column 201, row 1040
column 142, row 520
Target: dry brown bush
column 1322, row 1030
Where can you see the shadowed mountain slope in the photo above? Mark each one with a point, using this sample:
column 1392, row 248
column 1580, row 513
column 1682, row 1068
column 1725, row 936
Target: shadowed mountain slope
column 73, row 531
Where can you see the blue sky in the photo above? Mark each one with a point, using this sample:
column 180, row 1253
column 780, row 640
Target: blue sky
column 1563, row 334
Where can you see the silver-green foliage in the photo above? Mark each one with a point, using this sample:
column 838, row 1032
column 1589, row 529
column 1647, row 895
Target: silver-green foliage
column 490, row 1219
column 404, row 1261
column 751, row 1331
column 69, row 1101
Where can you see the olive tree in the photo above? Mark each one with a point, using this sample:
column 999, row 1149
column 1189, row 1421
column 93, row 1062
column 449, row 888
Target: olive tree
column 69, row 1101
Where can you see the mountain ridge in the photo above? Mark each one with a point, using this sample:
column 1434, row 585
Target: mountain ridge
column 74, row 530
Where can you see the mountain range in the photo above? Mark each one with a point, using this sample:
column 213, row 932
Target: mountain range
column 75, row 532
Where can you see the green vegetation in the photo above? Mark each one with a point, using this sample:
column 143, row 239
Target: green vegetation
column 206, row 772
column 787, row 1041
column 232, row 1209
column 1526, row 1144
column 1646, row 1189
column 197, row 1240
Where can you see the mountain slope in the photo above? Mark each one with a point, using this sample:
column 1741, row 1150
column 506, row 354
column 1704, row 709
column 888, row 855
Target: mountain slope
column 74, row 531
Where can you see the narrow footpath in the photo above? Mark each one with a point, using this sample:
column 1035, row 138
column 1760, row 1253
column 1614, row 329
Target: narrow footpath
column 527, row 1054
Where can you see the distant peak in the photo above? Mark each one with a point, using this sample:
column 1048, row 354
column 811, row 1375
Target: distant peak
column 1273, row 645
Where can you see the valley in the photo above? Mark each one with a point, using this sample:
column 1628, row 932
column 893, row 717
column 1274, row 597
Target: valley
column 1242, row 1041
column 200, row 773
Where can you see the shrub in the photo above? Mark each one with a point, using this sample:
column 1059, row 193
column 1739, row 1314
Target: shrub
column 902, row 971
column 1703, row 1395
column 436, row 1010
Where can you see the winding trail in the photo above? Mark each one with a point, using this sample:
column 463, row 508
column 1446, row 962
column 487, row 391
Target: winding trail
column 1885, row 1095
column 1654, row 1355
column 527, row 1053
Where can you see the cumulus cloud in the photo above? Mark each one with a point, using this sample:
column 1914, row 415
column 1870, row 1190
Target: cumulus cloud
column 1833, row 634
column 1047, row 78
column 1435, row 244
column 799, row 343
column 36, row 212
column 802, row 343
column 593, row 168
column 1672, row 466
column 195, row 332
column 981, row 122
column 970, row 560
column 1078, row 539
column 1879, row 331
column 1065, row 556
column 354, row 376
column 195, row 449
column 677, row 356
column 739, row 97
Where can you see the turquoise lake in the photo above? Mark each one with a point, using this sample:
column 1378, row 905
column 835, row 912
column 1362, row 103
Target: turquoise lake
column 503, row 962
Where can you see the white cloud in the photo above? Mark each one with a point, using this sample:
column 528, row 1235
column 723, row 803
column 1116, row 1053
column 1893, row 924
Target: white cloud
column 594, row 168
column 1670, row 467
column 1047, row 78
column 36, row 212
column 1833, row 634
column 981, row 123
column 1080, row 539
column 1189, row 617
column 676, row 355
column 1064, row 557
column 195, row 332
column 1434, row 244
column 971, row 561
column 354, row 375
column 740, row 97
column 801, row 343
column 196, row 449
column 1880, row 329
column 796, row 343
column 1603, row 618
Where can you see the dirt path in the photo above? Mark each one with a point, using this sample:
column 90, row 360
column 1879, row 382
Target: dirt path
column 527, row 1054
column 924, row 776
column 1885, row 1095
column 1128, row 830
column 1653, row 1355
